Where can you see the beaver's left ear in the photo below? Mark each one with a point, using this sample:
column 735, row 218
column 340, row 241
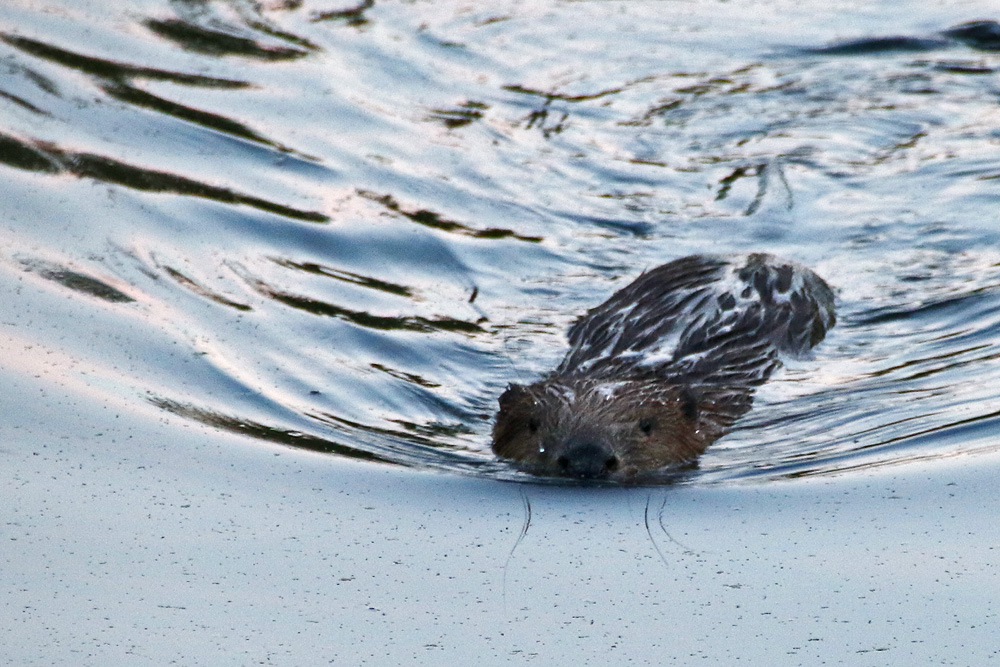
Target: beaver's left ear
column 513, row 394
column 689, row 403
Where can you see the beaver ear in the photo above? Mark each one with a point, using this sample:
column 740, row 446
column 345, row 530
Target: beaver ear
column 513, row 394
column 689, row 403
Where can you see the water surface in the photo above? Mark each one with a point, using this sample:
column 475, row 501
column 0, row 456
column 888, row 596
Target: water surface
column 344, row 228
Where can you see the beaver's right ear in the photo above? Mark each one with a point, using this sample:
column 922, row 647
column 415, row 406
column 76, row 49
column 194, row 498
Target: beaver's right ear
column 513, row 394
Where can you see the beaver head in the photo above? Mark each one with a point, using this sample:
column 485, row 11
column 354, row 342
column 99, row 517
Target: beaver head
column 603, row 429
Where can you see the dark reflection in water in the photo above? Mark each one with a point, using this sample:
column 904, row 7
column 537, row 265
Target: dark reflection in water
column 262, row 432
column 18, row 154
column 117, row 80
column 354, row 16
column 202, row 290
column 364, row 319
column 198, row 39
column 482, row 176
column 346, row 276
column 982, row 35
column 416, row 445
column 76, row 281
column 435, row 221
column 466, row 113
column 109, row 69
column 47, row 158
column 112, row 171
column 140, row 98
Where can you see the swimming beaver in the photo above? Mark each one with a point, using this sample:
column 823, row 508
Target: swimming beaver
column 663, row 368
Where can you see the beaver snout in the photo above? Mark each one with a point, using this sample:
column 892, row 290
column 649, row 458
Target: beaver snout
column 587, row 460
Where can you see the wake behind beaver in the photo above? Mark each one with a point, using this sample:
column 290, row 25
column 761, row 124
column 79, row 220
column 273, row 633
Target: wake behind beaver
column 663, row 368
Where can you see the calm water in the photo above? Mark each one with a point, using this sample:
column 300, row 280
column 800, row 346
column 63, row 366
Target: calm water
column 231, row 228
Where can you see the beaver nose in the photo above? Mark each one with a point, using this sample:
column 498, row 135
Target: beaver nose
column 587, row 460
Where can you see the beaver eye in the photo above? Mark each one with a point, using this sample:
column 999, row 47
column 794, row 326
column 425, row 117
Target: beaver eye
column 647, row 424
column 533, row 425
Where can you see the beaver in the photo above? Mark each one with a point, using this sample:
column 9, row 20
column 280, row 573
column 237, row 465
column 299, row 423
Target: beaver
column 663, row 368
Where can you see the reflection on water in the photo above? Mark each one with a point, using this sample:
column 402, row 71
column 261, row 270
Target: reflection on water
column 358, row 223
column 77, row 281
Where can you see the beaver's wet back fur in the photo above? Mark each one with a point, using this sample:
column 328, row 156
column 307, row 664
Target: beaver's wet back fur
column 663, row 368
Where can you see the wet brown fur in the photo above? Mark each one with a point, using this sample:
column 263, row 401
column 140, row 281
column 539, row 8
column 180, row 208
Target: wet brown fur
column 646, row 424
column 604, row 415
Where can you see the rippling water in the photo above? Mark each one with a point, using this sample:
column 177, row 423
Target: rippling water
column 348, row 227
